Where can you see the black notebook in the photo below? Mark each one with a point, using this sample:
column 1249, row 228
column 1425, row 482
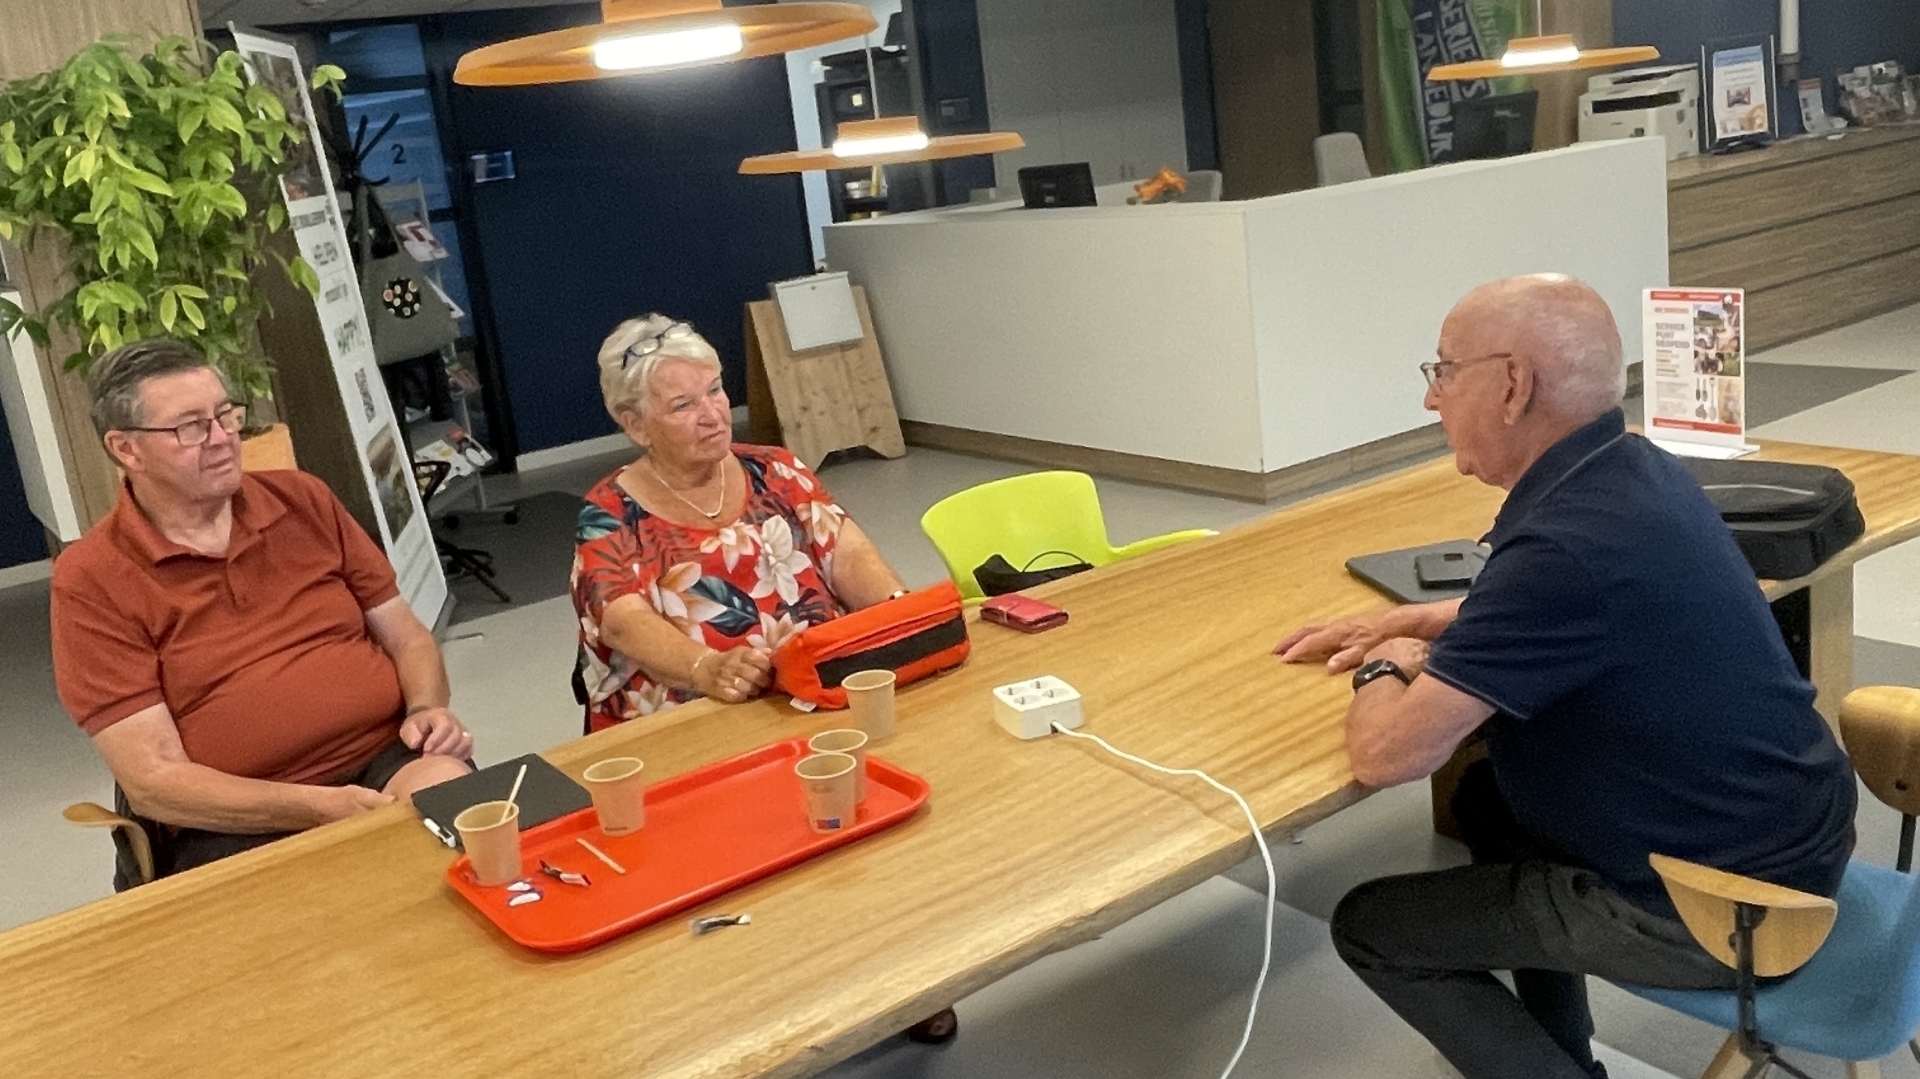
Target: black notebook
column 545, row 795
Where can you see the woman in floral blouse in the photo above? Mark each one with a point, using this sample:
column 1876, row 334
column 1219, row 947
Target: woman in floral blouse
column 692, row 564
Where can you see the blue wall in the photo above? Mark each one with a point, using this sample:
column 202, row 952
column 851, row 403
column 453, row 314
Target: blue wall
column 21, row 537
column 1835, row 35
column 628, row 200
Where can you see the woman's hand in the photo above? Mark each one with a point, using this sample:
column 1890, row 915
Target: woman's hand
column 734, row 675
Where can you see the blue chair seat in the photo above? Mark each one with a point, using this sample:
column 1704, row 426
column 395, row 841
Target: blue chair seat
column 1857, row 999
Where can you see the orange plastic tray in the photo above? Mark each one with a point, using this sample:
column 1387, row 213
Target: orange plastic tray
column 708, row 832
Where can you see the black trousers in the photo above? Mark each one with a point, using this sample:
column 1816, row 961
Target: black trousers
column 176, row 850
column 1428, row 943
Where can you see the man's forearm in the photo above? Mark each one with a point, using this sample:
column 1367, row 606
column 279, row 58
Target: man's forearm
column 423, row 675
column 188, row 795
column 1423, row 621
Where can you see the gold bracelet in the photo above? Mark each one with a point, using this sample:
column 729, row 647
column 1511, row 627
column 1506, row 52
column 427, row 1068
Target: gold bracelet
column 694, row 674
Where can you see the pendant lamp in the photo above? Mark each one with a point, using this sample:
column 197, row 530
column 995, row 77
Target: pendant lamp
column 1542, row 54
column 891, row 140
column 635, row 36
column 880, row 140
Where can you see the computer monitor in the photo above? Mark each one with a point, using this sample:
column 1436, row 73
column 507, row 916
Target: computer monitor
column 1497, row 126
column 1048, row 186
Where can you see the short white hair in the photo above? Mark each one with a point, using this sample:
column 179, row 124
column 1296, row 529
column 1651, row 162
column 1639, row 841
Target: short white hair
column 1582, row 366
column 625, row 378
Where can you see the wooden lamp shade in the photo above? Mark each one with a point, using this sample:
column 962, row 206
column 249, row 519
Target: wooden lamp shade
column 1540, row 55
column 570, row 55
column 881, row 133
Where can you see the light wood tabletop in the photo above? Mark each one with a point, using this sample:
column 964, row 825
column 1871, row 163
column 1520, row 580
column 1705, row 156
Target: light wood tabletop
column 342, row 952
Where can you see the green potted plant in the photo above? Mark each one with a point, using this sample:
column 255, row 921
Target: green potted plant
column 156, row 174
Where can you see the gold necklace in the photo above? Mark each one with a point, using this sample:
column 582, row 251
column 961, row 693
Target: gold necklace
column 714, row 514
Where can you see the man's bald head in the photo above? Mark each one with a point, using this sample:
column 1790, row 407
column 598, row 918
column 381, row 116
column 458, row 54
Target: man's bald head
column 1561, row 328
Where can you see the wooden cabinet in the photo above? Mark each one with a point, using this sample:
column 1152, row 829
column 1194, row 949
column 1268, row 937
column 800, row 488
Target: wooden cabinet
column 1820, row 234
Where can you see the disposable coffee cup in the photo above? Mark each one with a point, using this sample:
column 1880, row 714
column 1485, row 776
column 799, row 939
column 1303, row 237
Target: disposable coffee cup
column 870, row 699
column 854, row 744
column 619, row 795
column 491, row 833
column 826, row 779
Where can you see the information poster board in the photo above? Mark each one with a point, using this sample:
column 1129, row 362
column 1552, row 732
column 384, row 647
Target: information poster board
column 1696, row 371
column 1737, row 99
column 321, row 235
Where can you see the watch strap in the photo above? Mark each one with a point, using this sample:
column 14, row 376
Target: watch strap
column 1374, row 670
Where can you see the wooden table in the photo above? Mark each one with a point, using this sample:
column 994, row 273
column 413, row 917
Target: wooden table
column 341, row 952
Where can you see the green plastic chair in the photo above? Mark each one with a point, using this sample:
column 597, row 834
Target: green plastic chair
column 1022, row 517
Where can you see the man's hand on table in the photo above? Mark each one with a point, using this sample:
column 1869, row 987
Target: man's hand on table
column 1346, row 643
column 1343, row 644
column 435, row 731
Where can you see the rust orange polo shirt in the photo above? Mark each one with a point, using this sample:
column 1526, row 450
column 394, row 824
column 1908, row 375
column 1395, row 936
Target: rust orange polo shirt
column 262, row 654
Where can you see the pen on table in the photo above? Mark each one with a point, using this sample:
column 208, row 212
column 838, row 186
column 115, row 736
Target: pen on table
column 440, row 833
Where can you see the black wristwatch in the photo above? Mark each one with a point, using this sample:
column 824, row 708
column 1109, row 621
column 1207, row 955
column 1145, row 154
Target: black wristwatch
column 1375, row 669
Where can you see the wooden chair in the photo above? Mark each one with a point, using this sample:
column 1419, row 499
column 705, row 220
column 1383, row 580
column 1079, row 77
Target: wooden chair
column 91, row 815
column 1880, row 726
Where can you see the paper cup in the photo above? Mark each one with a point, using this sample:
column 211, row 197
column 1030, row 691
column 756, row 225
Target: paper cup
column 870, row 698
column 827, row 781
column 619, row 795
column 491, row 833
column 854, row 744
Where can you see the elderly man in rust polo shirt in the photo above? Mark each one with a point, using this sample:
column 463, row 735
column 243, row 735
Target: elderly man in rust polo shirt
column 234, row 643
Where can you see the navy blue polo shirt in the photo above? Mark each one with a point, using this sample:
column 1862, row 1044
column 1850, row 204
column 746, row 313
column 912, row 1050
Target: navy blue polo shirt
column 1644, row 699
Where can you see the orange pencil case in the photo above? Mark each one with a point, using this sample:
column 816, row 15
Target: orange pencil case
column 919, row 634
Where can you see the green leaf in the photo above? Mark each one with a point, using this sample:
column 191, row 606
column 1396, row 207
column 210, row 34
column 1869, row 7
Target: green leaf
column 228, row 199
column 79, row 166
column 301, row 273
column 148, row 182
column 142, row 241
column 222, row 116
column 328, row 77
column 169, row 309
column 193, row 313
column 228, row 303
column 191, row 118
column 194, row 291
column 276, row 215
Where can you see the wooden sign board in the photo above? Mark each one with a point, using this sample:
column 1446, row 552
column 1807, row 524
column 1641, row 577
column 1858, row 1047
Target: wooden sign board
column 830, row 398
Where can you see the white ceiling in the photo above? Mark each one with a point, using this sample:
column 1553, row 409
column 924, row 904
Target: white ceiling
column 217, row 13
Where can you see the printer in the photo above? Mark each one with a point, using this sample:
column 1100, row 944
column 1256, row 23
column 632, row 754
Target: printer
column 1663, row 101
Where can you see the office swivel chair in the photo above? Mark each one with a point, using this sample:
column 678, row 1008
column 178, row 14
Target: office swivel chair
column 1339, row 158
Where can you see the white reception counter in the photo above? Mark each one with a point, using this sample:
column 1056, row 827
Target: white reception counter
column 1247, row 348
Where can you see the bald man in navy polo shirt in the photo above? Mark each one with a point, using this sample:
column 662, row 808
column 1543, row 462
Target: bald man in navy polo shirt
column 1633, row 688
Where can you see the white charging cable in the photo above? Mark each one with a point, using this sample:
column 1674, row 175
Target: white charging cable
column 1266, row 856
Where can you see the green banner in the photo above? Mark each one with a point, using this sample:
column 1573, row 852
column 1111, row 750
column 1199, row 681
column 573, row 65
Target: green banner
column 1418, row 35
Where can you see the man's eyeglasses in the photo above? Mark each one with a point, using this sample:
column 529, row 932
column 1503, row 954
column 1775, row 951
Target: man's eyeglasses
column 1441, row 371
column 196, row 432
column 653, row 343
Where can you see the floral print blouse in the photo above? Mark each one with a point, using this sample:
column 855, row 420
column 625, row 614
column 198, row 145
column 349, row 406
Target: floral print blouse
column 756, row 582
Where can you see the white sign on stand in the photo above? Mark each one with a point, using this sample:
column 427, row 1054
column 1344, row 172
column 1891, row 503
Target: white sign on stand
column 313, row 210
column 1696, row 371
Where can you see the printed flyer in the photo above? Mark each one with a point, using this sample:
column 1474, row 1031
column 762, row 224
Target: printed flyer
column 1695, row 372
